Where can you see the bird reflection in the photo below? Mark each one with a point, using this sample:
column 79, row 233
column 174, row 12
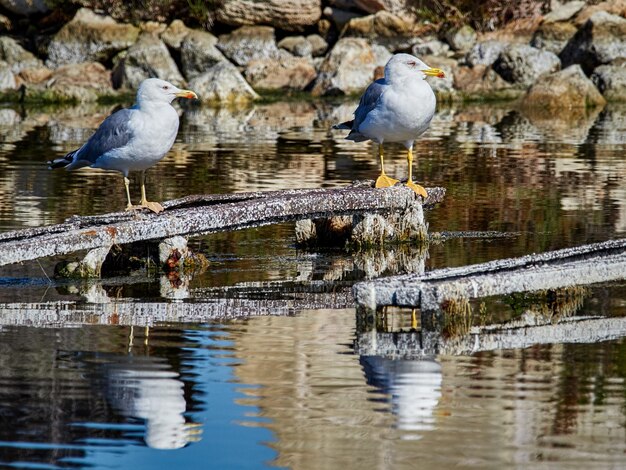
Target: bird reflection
column 414, row 387
column 146, row 388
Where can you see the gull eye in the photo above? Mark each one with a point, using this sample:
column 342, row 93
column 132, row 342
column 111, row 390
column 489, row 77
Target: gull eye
column 411, row 63
column 165, row 87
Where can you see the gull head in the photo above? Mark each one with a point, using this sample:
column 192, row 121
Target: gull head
column 160, row 91
column 403, row 66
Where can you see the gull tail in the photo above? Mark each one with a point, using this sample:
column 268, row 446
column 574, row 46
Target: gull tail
column 61, row 162
column 344, row 125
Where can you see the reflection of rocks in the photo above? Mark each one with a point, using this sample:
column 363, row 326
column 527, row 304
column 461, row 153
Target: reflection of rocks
column 572, row 127
column 404, row 259
column 413, row 386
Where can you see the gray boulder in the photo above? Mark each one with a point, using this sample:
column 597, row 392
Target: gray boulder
column 297, row 45
column 384, row 28
column 16, row 56
column 84, row 82
column 319, row 46
column 611, row 80
column 174, row 34
column 522, row 65
column 89, row 37
column 567, row 89
column 461, row 39
column 222, row 83
column 485, row 52
column 553, row 36
column 286, row 72
column 8, row 80
column 564, row 12
column 430, row 45
column 25, row 7
column 349, row 67
column 602, row 39
column 293, row 15
column 198, row 53
column 249, row 43
column 481, row 81
column 148, row 57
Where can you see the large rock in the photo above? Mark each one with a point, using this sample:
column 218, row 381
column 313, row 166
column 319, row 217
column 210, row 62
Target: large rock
column 296, row 45
column 25, row 7
column 564, row 12
column 349, row 67
column 615, row 7
column 522, row 65
column 85, row 82
column 90, row 37
column 485, row 52
column 293, row 15
column 285, row 72
column 387, row 29
column 461, row 39
column 8, row 80
column 602, row 39
column 611, row 80
column 174, row 34
column 553, row 36
column 222, row 83
column 198, row 53
column 564, row 90
column 16, row 56
column 147, row 58
column 481, row 81
column 249, row 43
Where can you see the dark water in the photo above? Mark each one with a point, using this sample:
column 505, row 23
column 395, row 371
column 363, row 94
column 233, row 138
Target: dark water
column 252, row 363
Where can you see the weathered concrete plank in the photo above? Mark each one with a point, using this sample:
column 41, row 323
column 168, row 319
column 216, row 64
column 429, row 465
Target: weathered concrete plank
column 588, row 264
column 199, row 215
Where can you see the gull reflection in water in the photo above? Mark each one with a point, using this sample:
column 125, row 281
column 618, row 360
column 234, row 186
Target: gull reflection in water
column 414, row 387
column 147, row 388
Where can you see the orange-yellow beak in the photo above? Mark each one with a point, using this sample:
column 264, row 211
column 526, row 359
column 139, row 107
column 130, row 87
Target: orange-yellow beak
column 434, row 73
column 187, row 94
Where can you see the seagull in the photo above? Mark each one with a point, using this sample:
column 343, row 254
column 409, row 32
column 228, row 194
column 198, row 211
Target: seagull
column 133, row 139
column 396, row 108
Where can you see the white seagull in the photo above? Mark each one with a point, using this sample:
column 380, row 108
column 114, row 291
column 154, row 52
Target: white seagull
column 396, row 108
column 133, row 139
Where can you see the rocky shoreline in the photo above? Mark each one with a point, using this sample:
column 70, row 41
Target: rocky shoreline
column 572, row 57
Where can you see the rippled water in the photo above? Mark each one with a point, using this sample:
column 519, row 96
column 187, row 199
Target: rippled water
column 252, row 363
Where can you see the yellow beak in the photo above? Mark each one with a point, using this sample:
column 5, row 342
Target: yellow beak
column 434, row 73
column 187, row 94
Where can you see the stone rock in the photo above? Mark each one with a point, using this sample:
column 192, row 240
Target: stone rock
column 16, row 56
column 522, row 65
column 297, row 45
column 35, row 75
column 602, row 39
column 564, row 12
column 610, row 79
column 89, row 37
column 614, row 7
column 152, row 27
column 553, row 36
column 285, row 72
column 383, row 28
column 25, row 7
column 401, row 8
column 485, row 52
column 147, row 58
column 349, row 67
column 293, row 15
column 175, row 33
column 85, row 82
column 481, row 81
column 222, row 83
column 430, row 45
column 198, row 53
column 8, row 80
column 461, row 39
column 5, row 24
column 567, row 89
column 249, row 43
column 319, row 46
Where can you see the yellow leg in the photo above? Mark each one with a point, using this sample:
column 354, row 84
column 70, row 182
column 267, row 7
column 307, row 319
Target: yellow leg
column 415, row 187
column 127, row 185
column 153, row 206
column 383, row 181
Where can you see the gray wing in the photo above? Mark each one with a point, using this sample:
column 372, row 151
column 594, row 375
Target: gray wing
column 113, row 133
column 369, row 100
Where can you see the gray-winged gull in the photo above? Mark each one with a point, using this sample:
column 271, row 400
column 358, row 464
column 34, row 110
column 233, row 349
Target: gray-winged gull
column 133, row 139
column 396, row 108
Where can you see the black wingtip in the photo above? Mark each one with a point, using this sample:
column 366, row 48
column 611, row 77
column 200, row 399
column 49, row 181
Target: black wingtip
column 344, row 125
